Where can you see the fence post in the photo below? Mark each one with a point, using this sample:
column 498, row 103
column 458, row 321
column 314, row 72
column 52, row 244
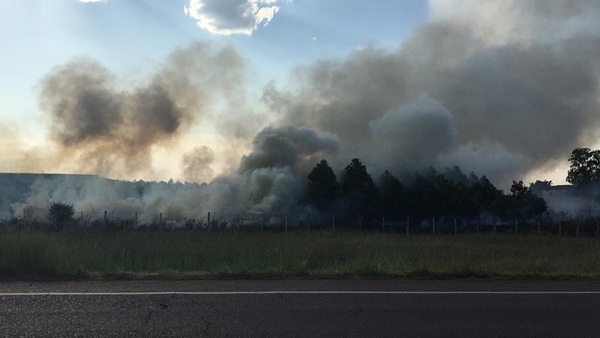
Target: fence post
column 538, row 224
column 597, row 228
column 407, row 224
column 577, row 231
column 105, row 217
column 559, row 228
column 333, row 223
column 383, row 224
column 433, row 222
column 208, row 222
column 516, row 227
column 455, row 227
column 285, row 223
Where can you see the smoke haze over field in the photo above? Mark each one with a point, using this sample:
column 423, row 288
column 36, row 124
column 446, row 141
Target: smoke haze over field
column 496, row 87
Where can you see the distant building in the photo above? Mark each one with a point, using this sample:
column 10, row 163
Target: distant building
column 557, row 191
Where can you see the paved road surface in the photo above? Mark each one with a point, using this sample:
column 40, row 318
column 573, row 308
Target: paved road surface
column 301, row 308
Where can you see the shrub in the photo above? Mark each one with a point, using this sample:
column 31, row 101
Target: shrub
column 61, row 215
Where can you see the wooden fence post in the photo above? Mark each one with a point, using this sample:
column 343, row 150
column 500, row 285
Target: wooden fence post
column 455, row 227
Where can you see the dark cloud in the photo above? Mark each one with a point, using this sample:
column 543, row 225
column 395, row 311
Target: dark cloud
column 288, row 146
column 109, row 129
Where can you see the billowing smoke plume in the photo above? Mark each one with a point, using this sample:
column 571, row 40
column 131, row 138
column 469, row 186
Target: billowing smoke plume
column 196, row 164
column 498, row 87
column 479, row 83
column 108, row 130
column 288, row 146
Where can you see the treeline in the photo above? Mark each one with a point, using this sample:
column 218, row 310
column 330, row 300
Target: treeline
column 451, row 193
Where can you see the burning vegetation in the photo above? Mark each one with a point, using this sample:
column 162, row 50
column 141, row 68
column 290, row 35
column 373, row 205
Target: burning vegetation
column 502, row 97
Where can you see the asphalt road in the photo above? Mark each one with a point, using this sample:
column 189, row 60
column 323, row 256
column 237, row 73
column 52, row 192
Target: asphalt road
column 300, row 308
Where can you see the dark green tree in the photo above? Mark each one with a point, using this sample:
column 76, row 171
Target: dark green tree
column 585, row 167
column 526, row 204
column 359, row 190
column 322, row 185
column 486, row 197
column 393, row 196
column 424, row 200
column 518, row 190
column 456, row 175
column 61, row 215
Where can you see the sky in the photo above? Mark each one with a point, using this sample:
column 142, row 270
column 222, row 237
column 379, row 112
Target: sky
column 199, row 90
column 132, row 38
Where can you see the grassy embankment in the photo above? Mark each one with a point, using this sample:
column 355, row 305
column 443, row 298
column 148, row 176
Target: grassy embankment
column 317, row 254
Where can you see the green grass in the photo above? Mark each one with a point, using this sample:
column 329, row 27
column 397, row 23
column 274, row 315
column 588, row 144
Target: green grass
column 316, row 254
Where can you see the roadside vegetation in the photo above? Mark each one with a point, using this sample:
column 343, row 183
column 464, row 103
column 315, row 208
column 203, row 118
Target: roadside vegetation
column 439, row 225
column 85, row 254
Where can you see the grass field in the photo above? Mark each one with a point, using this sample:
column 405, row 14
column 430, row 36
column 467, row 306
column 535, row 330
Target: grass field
column 314, row 254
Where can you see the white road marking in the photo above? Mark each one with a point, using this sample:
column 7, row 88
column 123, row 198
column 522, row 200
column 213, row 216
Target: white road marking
column 227, row 293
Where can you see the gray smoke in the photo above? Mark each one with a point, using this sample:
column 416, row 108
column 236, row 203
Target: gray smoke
column 196, row 164
column 288, row 146
column 522, row 100
column 496, row 87
column 110, row 130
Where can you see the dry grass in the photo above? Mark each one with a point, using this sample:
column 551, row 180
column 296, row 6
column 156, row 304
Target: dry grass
column 315, row 254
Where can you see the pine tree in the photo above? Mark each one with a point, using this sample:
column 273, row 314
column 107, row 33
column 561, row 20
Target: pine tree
column 359, row 190
column 322, row 185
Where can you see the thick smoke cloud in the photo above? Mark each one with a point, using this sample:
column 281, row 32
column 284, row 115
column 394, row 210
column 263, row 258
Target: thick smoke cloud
column 108, row 130
column 524, row 98
column 196, row 164
column 288, row 146
column 497, row 87
column 268, row 184
column 425, row 122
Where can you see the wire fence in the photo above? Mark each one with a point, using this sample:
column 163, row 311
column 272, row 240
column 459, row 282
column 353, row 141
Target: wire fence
column 568, row 226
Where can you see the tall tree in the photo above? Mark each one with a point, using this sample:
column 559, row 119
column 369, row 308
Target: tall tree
column 487, row 197
column 393, row 203
column 526, row 204
column 585, row 167
column 359, row 190
column 322, row 185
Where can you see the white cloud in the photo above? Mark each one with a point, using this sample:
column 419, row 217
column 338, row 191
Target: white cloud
column 227, row 17
column 92, row 1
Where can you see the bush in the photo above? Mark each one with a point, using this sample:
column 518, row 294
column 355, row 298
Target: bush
column 61, row 215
